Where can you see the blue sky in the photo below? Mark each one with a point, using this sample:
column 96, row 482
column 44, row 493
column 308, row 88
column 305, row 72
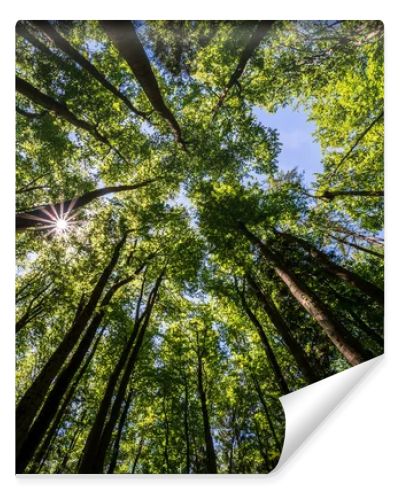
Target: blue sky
column 299, row 148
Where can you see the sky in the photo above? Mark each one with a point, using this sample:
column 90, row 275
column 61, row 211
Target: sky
column 299, row 148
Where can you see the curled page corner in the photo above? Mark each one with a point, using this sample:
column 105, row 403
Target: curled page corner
column 307, row 408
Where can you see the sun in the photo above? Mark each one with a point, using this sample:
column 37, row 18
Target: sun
column 61, row 225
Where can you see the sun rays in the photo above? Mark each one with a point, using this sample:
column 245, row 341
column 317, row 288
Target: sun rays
column 57, row 219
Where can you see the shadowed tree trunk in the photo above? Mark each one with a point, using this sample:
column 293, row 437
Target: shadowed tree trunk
column 280, row 379
column 330, row 195
column 284, row 331
column 357, row 247
column 337, row 270
column 121, row 423
column 33, row 309
column 33, row 398
column 260, row 31
column 43, row 215
column 124, row 37
column 44, row 449
column 49, row 409
column 211, row 460
column 100, row 435
column 266, row 410
column 348, row 346
column 61, row 43
column 60, row 109
column 137, row 456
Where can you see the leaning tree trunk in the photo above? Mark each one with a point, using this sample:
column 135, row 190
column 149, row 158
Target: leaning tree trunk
column 357, row 247
column 330, row 195
column 100, row 435
column 284, row 331
column 121, row 423
column 42, row 453
column 44, row 216
column 61, row 43
column 259, row 33
column 60, row 109
column 33, row 398
column 53, row 401
column 124, row 37
column 211, row 460
column 348, row 346
column 280, row 379
column 337, row 270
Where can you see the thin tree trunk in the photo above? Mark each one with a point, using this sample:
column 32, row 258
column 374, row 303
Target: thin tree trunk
column 284, row 331
column 98, row 441
column 211, row 460
column 252, row 45
column 121, row 423
column 186, row 428
column 124, row 37
column 33, row 398
column 348, row 346
column 139, row 452
column 43, row 215
column 350, row 277
column 330, row 195
column 358, row 247
column 41, row 455
column 280, row 379
column 266, row 410
column 61, row 43
column 49, row 409
column 61, row 110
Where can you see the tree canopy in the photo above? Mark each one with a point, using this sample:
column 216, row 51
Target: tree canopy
column 172, row 281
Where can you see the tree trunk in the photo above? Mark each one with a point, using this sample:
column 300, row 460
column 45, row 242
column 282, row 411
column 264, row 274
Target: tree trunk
column 339, row 271
column 33, row 398
column 349, row 347
column 41, row 455
column 49, row 410
column 124, row 37
column 99, row 437
column 211, row 460
column 280, row 379
column 357, row 247
column 284, row 331
column 61, row 43
column 261, row 30
column 121, row 423
column 61, row 110
column 139, row 452
column 45, row 215
column 330, row 195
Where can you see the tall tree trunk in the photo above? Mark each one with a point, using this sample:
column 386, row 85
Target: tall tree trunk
column 330, row 195
column 121, row 423
column 261, row 30
column 42, row 453
column 42, row 216
column 284, row 331
column 99, row 438
column 348, row 346
column 49, row 409
column 124, row 37
column 137, row 456
column 60, row 109
column 357, row 247
column 280, row 379
column 61, row 43
column 266, row 410
column 33, row 398
column 337, row 270
column 186, row 428
column 211, row 460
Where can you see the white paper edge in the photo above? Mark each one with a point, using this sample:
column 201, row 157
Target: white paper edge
column 307, row 408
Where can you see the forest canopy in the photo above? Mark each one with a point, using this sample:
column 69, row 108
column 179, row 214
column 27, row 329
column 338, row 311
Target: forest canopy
column 173, row 281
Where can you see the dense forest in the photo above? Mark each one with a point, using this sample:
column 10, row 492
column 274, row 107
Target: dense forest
column 172, row 280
